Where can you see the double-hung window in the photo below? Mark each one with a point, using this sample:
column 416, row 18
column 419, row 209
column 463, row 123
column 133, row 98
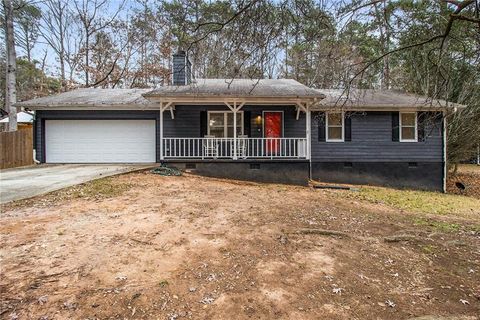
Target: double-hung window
column 220, row 124
column 408, row 127
column 335, row 127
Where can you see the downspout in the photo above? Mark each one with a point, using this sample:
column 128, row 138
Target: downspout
column 309, row 140
column 35, row 157
column 161, row 131
column 444, row 141
column 34, row 135
column 235, row 157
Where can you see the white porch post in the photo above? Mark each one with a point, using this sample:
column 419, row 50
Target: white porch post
column 234, row 130
column 235, row 109
column 163, row 107
column 161, row 131
column 308, row 125
column 308, row 131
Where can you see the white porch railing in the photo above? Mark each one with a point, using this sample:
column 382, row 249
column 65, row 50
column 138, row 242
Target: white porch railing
column 224, row 148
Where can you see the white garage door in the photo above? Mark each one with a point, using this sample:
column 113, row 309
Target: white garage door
column 99, row 141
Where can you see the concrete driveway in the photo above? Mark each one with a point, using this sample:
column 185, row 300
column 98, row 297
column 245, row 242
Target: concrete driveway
column 21, row 183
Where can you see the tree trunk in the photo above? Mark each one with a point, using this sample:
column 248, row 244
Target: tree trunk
column 62, row 69
column 386, row 45
column 11, row 91
column 62, row 46
column 28, row 48
column 87, row 49
column 382, row 18
column 44, row 61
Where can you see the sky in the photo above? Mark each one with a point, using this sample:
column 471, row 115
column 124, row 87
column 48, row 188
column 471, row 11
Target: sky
column 128, row 7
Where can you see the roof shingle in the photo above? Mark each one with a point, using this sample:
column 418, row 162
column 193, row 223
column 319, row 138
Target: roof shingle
column 90, row 97
column 239, row 88
column 379, row 99
column 215, row 88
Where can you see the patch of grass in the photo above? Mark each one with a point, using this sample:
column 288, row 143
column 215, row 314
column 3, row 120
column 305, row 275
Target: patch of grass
column 163, row 283
column 429, row 249
column 98, row 189
column 469, row 168
column 101, row 188
column 438, row 225
column 419, row 201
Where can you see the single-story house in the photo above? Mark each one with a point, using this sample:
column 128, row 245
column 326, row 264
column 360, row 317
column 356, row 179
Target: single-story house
column 271, row 130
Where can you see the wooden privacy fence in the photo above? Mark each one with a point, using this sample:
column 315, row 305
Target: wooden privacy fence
column 16, row 148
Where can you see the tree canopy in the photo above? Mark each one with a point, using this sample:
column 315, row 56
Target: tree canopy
column 427, row 47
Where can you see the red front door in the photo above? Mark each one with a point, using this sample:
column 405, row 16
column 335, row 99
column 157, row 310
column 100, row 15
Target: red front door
column 273, row 129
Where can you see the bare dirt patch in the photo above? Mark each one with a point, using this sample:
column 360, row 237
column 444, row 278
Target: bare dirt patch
column 197, row 248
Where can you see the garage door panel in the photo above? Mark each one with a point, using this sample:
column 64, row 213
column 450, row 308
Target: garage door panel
column 97, row 141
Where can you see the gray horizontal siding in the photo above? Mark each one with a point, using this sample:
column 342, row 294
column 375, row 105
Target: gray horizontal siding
column 186, row 123
column 371, row 133
column 372, row 141
column 43, row 115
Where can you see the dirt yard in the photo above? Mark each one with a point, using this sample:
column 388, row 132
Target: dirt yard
column 469, row 176
column 143, row 246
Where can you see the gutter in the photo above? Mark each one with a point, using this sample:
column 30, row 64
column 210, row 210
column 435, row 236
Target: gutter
column 386, row 108
column 138, row 107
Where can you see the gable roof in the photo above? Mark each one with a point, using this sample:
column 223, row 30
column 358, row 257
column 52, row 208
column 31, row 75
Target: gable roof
column 272, row 90
column 281, row 90
column 239, row 88
column 363, row 98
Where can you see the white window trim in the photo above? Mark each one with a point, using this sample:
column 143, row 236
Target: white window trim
column 401, row 126
column 326, row 127
column 225, row 125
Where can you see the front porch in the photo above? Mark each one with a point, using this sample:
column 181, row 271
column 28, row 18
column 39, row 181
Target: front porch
column 234, row 131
